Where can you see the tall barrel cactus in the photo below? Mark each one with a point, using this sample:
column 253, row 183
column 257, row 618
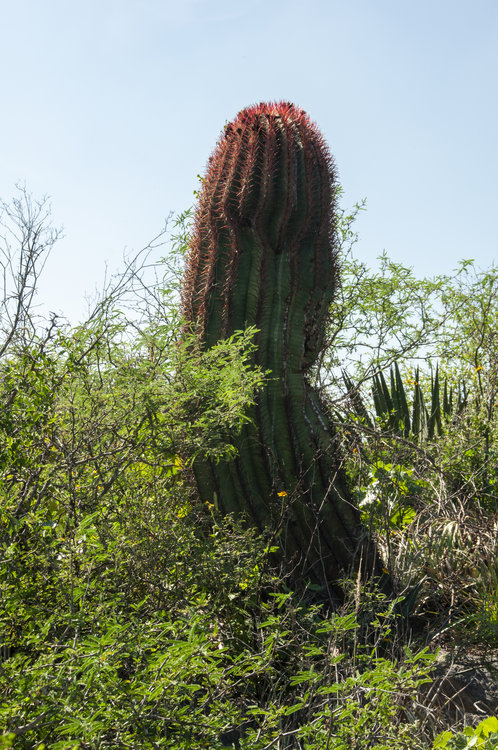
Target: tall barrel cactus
column 262, row 254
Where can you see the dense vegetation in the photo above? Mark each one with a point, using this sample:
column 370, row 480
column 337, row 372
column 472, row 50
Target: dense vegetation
column 133, row 615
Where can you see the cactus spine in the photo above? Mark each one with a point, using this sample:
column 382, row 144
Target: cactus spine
column 262, row 254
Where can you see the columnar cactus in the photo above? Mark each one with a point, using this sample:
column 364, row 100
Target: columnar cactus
column 262, row 254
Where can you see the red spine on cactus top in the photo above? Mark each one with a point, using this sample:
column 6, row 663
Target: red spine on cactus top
column 268, row 189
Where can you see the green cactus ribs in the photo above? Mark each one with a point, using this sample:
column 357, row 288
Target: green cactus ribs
column 267, row 192
column 262, row 254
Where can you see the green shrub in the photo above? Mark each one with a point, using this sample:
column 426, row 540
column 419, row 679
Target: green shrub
column 133, row 615
column 484, row 736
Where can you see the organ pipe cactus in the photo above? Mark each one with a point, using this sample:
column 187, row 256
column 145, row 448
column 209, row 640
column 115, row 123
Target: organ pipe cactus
column 262, row 254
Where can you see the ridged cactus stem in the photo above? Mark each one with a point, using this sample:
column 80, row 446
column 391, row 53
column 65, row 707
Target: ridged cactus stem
column 262, row 255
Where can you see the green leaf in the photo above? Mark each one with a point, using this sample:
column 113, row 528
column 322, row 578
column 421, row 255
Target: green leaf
column 488, row 725
column 442, row 740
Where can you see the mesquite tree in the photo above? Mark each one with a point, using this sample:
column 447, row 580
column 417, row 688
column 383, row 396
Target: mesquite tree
column 262, row 254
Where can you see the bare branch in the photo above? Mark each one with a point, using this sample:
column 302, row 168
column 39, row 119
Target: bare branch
column 27, row 237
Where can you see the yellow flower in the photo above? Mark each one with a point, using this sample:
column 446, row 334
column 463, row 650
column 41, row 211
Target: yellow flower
column 282, row 494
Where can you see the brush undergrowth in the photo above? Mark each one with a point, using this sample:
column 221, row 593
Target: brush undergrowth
column 133, row 616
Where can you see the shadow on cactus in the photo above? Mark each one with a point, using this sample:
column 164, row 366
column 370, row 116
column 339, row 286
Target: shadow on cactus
column 263, row 255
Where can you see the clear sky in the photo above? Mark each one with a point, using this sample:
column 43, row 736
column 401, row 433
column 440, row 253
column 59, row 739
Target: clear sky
column 112, row 107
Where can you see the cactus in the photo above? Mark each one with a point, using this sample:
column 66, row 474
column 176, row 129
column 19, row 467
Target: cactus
column 262, row 254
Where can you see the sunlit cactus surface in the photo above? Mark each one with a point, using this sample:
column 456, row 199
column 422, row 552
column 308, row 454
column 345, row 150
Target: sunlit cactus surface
column 262, row 254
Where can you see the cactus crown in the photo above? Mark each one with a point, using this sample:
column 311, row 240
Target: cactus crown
column 268, row 191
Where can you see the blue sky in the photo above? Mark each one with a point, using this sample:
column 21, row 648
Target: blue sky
column 112, row 107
